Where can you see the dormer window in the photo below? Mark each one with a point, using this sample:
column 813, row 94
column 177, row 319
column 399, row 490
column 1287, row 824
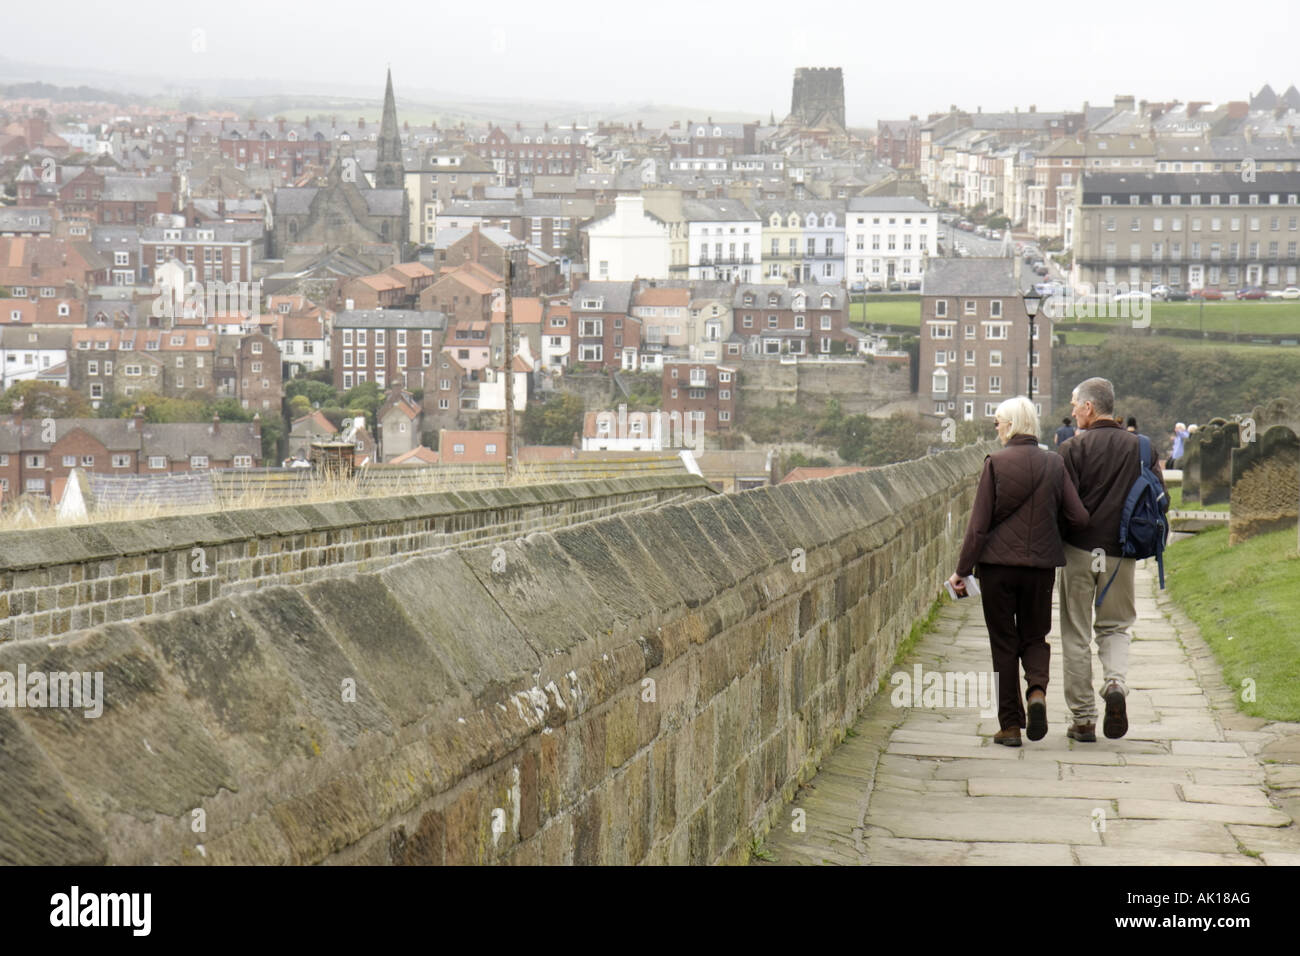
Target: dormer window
column 591, row 303
column 773, row 299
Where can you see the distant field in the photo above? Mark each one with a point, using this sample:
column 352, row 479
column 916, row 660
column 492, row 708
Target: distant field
column 1177, row 342
column 1243, row 318
column 898, row 313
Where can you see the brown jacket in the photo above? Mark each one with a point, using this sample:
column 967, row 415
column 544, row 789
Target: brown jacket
column 1024, row 495
column 1102, row 460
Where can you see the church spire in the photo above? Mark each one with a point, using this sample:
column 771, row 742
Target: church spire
column 389, row 172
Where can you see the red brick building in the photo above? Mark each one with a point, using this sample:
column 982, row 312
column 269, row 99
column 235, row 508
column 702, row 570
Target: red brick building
column 37, row 456
column 702, row 394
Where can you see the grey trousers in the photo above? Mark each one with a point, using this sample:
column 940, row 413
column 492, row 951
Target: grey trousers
column 1080, row 581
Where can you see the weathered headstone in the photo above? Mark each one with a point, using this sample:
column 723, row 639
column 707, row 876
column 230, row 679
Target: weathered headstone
column 1217, row 440
column 1265, row 484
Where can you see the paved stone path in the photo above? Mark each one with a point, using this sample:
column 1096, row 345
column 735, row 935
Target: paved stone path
column 1193, row 781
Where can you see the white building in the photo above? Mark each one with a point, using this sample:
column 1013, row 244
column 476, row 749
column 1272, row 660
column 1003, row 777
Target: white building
column 492, row 390
column 724, row 240
column 628, row 244
column 889, row 238
column 637, row 431
column 26, row 352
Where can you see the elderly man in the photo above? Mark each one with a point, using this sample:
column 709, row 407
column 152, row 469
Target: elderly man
column 1102, row 460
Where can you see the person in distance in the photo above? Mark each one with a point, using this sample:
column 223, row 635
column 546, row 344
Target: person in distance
column 1014, row 536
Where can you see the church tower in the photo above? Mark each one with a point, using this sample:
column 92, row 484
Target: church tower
column 389, row 172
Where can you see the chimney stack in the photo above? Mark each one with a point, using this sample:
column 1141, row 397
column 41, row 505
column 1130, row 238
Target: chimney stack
column 216, row 424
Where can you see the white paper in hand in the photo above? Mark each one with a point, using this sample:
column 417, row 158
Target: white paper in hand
column 972, row 588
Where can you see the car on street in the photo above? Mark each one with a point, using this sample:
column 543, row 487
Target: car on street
column 914, row 285
column 1290, row 292
column 1251, row 293
column 1208, row 294
column 895, row 286
column 858, row 286
column 1042, row 270
column 1177, row 295
column 875, row 286
column 1160, row 292
column 1137, row 295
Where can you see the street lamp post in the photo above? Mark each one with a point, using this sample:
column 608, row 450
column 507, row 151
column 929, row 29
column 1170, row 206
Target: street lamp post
column 1032, row 301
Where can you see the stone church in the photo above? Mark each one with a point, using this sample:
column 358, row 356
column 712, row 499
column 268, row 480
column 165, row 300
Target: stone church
column 347, row 213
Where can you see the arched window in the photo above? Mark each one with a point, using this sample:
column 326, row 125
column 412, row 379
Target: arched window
column 828, row 220
column 793, row 221
column 776, row 220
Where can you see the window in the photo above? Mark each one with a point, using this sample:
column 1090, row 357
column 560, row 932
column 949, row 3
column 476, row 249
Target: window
column 995, row 308
column 87, row 461
column 121, row 461
column 968, row 383
column 995, row 357
column 69, row 461
column 970, row 307
column 157, row 461
column 995, row 384
column 198, row 461
column 997, row 331
column 941, row 309
column 941, row 331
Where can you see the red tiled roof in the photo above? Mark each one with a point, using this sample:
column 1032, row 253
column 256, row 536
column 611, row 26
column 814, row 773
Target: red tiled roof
column 806, row 473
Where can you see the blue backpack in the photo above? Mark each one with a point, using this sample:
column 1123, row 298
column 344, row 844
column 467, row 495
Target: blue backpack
column 1143, row 527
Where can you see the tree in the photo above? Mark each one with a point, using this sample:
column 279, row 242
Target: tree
column 299, row 406
column 554, row 422
column 45, row 400
column 272, row 431
column 315, row 392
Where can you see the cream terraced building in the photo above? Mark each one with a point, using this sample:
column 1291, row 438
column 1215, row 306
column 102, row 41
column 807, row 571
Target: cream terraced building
column 1189, row 231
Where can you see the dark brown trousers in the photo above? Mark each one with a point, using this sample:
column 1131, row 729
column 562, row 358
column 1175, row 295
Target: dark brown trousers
column 1018, row 612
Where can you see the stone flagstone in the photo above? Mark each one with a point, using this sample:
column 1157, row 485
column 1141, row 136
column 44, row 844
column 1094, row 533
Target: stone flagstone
column 1185, row 787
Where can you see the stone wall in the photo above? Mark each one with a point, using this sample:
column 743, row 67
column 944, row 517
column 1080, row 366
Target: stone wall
column 646, row 687
column 860, row 387
column 57, row 580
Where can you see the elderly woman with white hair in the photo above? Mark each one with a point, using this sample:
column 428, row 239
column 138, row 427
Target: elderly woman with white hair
column 1013, row 545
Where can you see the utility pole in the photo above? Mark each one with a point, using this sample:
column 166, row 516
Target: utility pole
column 508, row 363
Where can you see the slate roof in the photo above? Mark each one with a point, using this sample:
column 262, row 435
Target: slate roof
column 717, row 210
column 617, row 295
column 389, row 319
column 971, row 276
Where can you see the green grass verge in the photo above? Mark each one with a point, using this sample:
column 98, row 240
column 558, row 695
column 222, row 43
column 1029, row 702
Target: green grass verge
column 1176, row 502
column 1246, row 602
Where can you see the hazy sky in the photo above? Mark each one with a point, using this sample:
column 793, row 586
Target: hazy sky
column 898, row 58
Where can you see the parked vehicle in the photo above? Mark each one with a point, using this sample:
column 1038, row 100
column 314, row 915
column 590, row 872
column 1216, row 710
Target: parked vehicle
column 858, row 286
column 1042, row 270
column 1178, row 295
column 895, row 286
column 1161, row 292
column 914, row 285
column 1290, row 292
column 875, row 286
column 1208, row 294
column 1251, row 293
column 1137, row 295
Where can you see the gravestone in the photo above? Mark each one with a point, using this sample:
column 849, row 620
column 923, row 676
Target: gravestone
column 1265, row 484
column 1214, row 458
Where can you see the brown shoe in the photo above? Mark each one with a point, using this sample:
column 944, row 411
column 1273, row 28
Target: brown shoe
column 1008, row 737
column 1037, row 713
column 1085, row 733
column 1116, row 723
